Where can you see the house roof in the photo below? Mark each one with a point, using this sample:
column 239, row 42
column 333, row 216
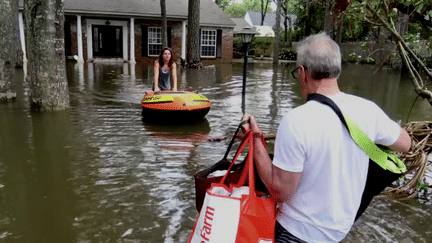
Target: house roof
column 265, row 31
column 133, row 8
column 269, row 19
column 240, row 23
column 210, row 13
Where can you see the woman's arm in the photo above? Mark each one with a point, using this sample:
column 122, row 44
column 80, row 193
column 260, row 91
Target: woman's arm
column 156, row 76
column 174, row 76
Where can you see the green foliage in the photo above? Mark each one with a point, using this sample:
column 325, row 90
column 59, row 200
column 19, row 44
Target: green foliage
column 353, row 57
column 369, row 60
column 288, row 54
column 263, row 43
column 235, row 9
column 354, row 28
column 422, row 185
column 223, row 4
column 422, row 50
column 238, row 44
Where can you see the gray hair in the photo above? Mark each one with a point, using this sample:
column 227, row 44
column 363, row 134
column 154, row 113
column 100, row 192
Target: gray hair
column 320, row 55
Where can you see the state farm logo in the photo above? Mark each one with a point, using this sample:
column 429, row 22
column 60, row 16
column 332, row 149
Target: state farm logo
column 206, row 229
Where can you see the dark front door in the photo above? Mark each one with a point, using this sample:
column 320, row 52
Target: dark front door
column 107, row 41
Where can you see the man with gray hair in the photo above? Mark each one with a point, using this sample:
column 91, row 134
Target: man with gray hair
column 318, row 172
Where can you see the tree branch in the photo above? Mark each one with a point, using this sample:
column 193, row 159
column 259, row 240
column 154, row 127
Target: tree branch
column 402, row 47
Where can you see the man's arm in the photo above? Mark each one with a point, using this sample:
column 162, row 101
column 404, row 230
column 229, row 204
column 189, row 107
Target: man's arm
column 403, row 143
column 280, row 183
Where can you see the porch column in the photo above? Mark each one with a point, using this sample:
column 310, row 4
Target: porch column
column 22, row 37
column 183, row 48
column 132, row 40
column 80, row 40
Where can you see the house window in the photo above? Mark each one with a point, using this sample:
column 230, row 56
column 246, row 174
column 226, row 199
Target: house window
column 208, row 43
column 154, row 41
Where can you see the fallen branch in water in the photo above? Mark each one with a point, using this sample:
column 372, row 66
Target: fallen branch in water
column 416, row 160
column 219, row 139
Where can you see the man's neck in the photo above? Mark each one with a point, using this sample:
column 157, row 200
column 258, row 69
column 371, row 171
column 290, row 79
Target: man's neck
column 326, row 87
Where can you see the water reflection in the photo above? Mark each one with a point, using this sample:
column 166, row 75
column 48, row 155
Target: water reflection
column 38, row 198
column 98, row 173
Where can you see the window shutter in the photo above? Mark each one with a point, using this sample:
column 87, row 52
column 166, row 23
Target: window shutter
column 199, row 43
column 219, row 43
column 144, row 40
column 169, row 37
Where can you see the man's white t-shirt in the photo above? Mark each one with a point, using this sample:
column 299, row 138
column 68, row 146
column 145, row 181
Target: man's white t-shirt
column 311, row 139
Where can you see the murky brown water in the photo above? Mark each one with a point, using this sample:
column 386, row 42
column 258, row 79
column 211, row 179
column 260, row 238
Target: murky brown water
column 97, row 173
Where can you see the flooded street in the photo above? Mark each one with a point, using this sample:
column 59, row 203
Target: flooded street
column 98, row 173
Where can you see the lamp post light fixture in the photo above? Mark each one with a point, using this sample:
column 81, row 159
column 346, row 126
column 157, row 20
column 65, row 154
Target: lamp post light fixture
column 246, row 34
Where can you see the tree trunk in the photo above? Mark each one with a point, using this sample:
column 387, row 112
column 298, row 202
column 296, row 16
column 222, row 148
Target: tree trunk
column 18, row 51
column 44, row 21
column 277, row 32
column 339, row 28
column 329, row 18
column 8, row 17
column 308, row 18
column 264, row 10
column 164, row 24
column 193, row 36
column 285, row 10
column 290, row 33
column 403, row 23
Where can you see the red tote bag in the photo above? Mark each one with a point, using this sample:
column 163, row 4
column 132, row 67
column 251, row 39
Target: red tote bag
column 236, row 213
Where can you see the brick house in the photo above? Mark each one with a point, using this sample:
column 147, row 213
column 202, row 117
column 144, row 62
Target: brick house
column 131, row 30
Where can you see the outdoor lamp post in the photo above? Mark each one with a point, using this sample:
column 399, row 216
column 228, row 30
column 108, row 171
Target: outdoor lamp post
column 246, row 34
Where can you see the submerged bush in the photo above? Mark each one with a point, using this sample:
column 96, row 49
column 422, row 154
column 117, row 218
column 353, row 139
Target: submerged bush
column 288, row 54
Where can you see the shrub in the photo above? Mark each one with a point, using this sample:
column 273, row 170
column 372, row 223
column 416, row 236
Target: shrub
column 288, row 54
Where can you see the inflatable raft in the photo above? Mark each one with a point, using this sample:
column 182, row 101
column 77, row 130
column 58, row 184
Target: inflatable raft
column 174, row 106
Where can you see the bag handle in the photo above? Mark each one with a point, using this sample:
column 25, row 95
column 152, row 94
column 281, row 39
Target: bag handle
column 250, row 162
column 224, row 162
column 249, row 167
column 232, row 141
column 239, row 150
column 362, row 140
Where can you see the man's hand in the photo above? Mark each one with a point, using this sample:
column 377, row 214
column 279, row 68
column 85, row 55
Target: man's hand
column 249, row 122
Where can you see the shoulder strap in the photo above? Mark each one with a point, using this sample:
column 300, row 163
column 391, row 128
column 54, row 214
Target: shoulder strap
column 362, row 140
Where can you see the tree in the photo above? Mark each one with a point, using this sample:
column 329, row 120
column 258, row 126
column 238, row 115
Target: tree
column 287, row 7
column 164, row 23
column 277, row 32
column 329, row 17
column 264, row 9
column 236, row 9
column 223, row 4
column 192, row 43
column 8, row 28
column 44, row 29
column 383, row 14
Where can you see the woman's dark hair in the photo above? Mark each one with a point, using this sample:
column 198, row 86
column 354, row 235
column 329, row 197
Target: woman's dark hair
column 161, row 62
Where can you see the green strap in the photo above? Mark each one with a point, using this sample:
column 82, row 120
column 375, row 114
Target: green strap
column 387, row 161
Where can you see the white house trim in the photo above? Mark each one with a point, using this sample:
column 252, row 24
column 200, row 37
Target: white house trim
column 91, row 22
column 183, row 48
column 21, row 31
column 80, row 40
column 132, row 40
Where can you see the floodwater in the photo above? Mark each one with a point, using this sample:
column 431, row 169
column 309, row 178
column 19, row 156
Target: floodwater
column 98, row 173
